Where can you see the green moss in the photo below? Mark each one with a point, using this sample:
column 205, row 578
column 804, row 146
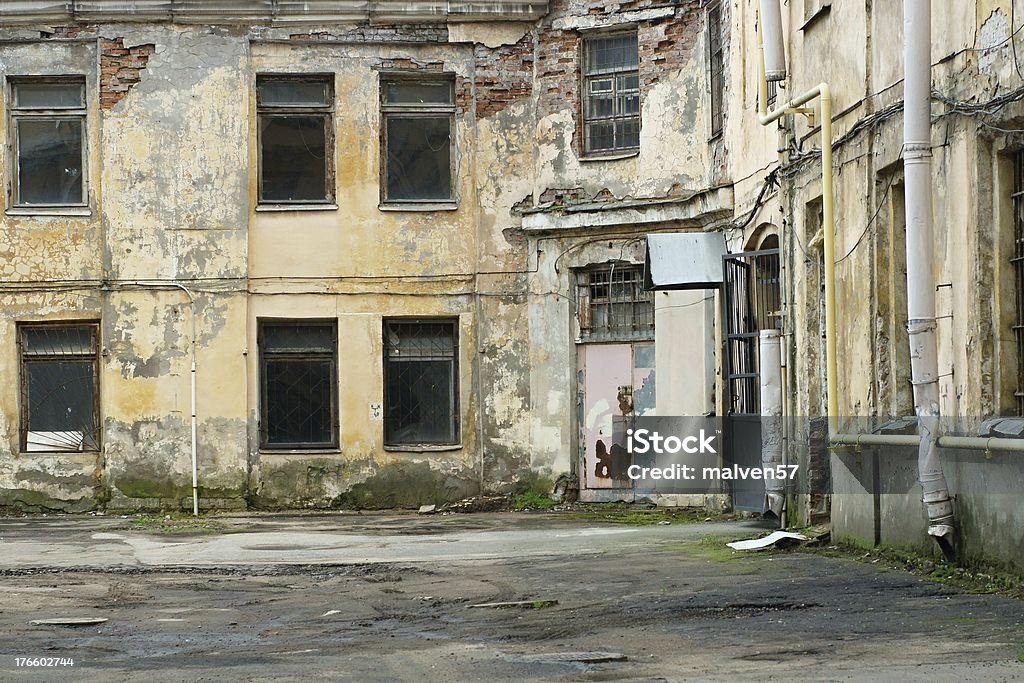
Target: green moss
column 532, row 501
column 152, row 487
column 623, row 513
column 541, row 604
column 168, row 524
column 27, row 500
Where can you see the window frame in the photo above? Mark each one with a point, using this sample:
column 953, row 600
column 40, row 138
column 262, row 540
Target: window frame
column 23, row 397
column 716, row 70
column 335, row 443
column 406, row 110
column 586, row 304
column 586, row 75
column 16, row 113
column 456, row 440
column 327, row 111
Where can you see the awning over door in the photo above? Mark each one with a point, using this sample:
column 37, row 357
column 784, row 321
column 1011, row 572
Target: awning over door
column 684, row 260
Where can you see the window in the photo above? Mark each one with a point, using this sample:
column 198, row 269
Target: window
column 59, row 387
column 611, row 87
column 421, row 388
column 1018, row 270
column 48, row 136
column 298, row 392
column 295, row 139
column 716, row 68
column 613, row 304
column 417, row 117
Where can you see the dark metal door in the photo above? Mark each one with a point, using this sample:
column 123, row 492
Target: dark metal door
column 752, row 301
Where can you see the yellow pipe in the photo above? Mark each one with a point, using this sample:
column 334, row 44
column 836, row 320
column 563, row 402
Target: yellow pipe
column 824, row 95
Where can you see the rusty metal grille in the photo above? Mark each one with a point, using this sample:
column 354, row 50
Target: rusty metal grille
column 614, row 305
column 1018, row 271
column 420, row 382
column 716, row 67
column 298, row 362
column 59, row 387
column 753, row 302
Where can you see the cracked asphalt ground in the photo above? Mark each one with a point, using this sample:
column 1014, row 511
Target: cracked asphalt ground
column 387, row 598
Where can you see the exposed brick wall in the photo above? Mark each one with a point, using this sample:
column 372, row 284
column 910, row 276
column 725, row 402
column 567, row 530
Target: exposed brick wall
column 663, row 45
column 503, row 75
column 365, row 33
column 120, row 69
column 69, row 31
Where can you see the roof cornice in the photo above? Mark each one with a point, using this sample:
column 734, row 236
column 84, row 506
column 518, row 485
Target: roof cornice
column 268, row 12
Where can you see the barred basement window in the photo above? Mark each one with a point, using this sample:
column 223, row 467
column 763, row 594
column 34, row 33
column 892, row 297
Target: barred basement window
column 1018, row 270
column 611, row 87
column 417, row 117
column 421, row 387
column 59, row 387
column 296, row 147
column 48, row 136
column 716, row 67
column 613, row 305
column 298, row 390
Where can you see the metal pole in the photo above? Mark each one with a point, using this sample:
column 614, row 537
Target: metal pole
column 770, row 355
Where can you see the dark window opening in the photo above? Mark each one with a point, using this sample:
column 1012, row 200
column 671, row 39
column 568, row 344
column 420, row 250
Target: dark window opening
column 420, row 382
column 418, row 118
column 295, row 139
column 298, row 362
column 613, row 304
column 716, row 68
column 1018, row 271
column 611, row 103
column 48, row 125
column 59, row 388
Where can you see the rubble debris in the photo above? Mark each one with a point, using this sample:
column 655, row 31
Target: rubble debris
column 526, row 604
column 427, row 509
column 69, row 621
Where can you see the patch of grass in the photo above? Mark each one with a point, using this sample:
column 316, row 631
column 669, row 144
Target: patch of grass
column 622, row 513
column 532, row 501
column 166, row 524
column 970, row 580
column 541, row 604
column 1020, row 655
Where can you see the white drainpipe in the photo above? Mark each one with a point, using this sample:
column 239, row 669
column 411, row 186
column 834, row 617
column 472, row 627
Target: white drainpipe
column 770, row 366
column 920, row 252
column 192, row 307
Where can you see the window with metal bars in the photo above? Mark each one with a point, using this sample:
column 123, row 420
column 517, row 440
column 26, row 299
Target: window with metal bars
column 295, row 124
column 48, row 137
column 421, row 385
column 1017, row 260
column 59, row 387
column 613, row 305
column 298, row 388
column 611, row 100
column 716, row 68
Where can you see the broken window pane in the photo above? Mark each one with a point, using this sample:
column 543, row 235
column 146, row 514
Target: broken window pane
column 49, row 161
column 295, row 117
column 419, row 158
column 421, row 386
column 59, row 388
column 299, row 396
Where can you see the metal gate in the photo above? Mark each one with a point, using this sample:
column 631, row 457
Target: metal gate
column 752, row 301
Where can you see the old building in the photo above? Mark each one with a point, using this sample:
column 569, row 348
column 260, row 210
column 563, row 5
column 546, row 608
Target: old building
column 339, row 256
column 976, row 114
column 392, row 254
